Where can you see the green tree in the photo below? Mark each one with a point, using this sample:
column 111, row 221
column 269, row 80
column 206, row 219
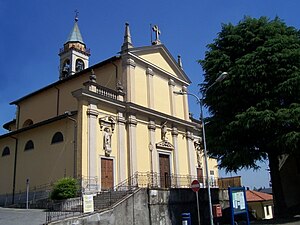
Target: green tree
column 65, row 188
column 255, row 112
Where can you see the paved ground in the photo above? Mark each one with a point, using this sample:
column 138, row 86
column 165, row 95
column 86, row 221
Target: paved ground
column 22, row 216
column 291, row 221
column 10, row 216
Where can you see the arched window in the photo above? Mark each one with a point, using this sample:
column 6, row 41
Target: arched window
column 6, row 151
column 27, row 123
column 57, row 137
column 79, row 65
column 29, row 145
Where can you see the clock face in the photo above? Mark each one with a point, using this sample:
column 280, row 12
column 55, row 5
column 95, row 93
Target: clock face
column 79, row 65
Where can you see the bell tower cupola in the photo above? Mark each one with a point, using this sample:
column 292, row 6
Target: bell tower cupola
column 74, row 56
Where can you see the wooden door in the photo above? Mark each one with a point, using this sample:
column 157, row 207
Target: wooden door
column 164, row 169
column 107, row 174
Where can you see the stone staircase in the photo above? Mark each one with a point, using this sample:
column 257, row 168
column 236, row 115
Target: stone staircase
column 106, row 199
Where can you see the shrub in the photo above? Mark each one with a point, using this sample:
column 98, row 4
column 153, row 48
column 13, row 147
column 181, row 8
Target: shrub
column 65, row 188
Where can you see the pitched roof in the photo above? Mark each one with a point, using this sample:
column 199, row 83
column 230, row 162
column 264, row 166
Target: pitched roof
column 109, row 60
column 75, row 35
column 255, row 196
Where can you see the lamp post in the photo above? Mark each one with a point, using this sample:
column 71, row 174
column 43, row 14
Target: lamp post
column 200, row 101
column 69, row 114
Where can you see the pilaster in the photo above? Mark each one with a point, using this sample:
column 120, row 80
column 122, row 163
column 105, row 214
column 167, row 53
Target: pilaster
column 132, row 122
column 152, row 147
column 191, row 153
column 92, row 114
column 174, row 134
column 150, row 90
column 185, row 104
column 128, row 66
column 172, row 97
column 121, row 148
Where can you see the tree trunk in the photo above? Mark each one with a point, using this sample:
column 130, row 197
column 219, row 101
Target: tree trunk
column 280, row 209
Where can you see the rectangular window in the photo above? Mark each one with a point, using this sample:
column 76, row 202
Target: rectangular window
column 267, row 210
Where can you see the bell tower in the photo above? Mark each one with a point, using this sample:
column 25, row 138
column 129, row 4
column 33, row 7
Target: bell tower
column 74, row 56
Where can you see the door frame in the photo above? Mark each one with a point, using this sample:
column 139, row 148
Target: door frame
column 114, row 169
column 168, row 153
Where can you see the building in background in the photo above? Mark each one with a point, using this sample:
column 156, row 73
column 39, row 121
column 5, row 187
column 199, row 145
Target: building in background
column 260, row 204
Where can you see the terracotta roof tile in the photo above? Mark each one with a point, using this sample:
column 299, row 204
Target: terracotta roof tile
column 255, row 196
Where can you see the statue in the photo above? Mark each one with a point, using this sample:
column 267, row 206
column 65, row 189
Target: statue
column 107, row 141
column 164, row 132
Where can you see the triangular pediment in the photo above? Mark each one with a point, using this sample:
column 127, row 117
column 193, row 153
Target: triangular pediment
column 165, row 145
column 159, row 56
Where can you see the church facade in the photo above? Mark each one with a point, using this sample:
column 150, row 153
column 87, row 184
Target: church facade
column 105, row 124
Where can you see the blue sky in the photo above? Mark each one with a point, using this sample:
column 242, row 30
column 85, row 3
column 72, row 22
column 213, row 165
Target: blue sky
column 31, row 33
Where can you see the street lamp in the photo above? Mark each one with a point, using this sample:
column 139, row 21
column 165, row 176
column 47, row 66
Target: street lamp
column 220, row 78
column 69, row 114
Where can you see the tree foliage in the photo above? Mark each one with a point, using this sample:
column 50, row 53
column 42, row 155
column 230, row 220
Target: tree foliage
column 65, row 188
column 255, row 112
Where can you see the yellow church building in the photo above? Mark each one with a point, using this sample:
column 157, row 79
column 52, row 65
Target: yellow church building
column 105, row 124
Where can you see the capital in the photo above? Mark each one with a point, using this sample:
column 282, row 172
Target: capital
column 151, row 125
column 129, row 62
column 189, row 135
column 171, row 82
column 92, row 112
column 174, row 131
column 132, row 120
column 149, row 71
column 121, row 119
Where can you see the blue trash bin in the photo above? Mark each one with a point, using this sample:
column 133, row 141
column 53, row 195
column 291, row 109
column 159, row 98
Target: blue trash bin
column 186, row 219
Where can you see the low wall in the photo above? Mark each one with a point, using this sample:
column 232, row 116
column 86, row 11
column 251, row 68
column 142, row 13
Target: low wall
column 151, row 207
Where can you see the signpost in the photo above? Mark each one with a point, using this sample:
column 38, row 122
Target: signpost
column 195, row 185
column 238, row 203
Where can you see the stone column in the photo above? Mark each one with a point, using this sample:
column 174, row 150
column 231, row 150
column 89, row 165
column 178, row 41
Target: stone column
column 152, row 147
column 121, row 148
column 174, row 133
column 92, row 145
column 150, row 90
column 191, row 153
column 185, row 104
column 172, row 99
column 129, row 65
column 132, row 122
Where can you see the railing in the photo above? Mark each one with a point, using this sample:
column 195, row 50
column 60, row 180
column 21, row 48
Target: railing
column 88, row 184
column 156, row 180
column 35, row 194
column 64, row 209
column 106, row 92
